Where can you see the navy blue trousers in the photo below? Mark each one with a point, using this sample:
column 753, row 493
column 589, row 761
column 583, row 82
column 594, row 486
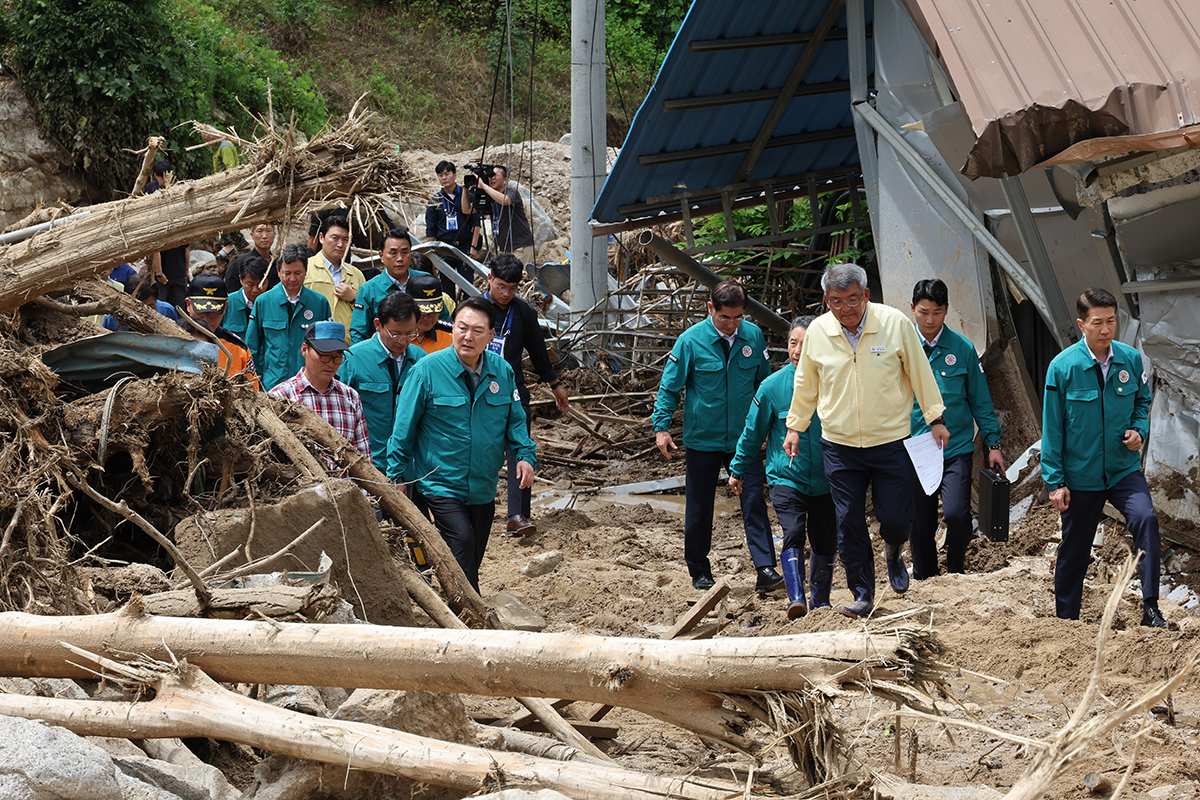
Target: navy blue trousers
column 887, row 469
column 955, row 492
column 701, row 473
column 519, row 500
column 1130, row 496
column 805, row 516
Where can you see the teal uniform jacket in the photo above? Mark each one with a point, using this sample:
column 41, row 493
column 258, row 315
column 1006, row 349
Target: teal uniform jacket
column 365, row 369
column 717, row 389
column 767, row 421
column 276, row 331
column 451, row 439
column 1083, row 421
column 366, row 305
column 237, row 314
column 965, row 392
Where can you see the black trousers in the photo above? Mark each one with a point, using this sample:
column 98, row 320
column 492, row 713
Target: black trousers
column 887, row 469
column 806, row 516
column 955, row 492
column 702, row 471
column 466, row 529
column 519, row 500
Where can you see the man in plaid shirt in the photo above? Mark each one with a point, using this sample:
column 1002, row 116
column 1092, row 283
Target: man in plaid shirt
column 316, row 387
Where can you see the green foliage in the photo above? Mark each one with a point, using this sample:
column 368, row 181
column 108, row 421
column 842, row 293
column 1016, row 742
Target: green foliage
column 103, row 75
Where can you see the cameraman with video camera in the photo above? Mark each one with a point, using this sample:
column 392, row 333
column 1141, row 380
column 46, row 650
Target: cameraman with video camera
column 510, row 227
column 447, row 220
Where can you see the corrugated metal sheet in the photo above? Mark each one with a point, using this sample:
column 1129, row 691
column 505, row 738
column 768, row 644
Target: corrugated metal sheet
column 1037, row 76
column 688, row 74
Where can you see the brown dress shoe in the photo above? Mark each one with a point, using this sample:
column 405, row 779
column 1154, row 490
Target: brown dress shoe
column 520, row 526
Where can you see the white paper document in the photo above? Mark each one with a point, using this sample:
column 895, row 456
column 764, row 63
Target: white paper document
column 926, row 457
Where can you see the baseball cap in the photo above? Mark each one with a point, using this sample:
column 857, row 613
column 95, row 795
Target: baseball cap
column 427, row 291
column 208, row 293
column 326, row 336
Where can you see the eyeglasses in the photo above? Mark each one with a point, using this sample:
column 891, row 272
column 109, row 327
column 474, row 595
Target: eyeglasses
column 330, row 358
column 400, row 337
column 729, row 318
column 847, row 303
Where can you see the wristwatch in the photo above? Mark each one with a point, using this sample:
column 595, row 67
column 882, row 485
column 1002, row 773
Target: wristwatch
column 938, row 421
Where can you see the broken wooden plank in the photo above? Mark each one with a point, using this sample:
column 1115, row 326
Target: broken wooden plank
column 692, row 617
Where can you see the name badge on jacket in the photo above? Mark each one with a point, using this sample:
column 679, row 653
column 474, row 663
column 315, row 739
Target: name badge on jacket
column 496, row 345
column 878, row 348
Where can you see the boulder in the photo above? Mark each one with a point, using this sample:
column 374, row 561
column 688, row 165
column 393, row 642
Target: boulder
column 45, row 762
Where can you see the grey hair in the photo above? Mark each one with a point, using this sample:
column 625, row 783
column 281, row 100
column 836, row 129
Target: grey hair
column 803, row 322
column 839, row 277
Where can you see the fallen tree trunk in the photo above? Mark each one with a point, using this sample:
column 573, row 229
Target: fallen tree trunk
column 269, row 601
column 462, row 598
column 190, row 704
column 279, row 179
column 681, row 682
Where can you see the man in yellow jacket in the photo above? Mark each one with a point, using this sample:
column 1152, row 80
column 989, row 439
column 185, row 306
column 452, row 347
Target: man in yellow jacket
column 860, row 367
column 335, row 279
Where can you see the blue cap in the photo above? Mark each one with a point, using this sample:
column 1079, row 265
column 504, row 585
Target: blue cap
column 326, row 336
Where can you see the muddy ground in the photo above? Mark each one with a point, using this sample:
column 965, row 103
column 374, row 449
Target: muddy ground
column 1024, row 670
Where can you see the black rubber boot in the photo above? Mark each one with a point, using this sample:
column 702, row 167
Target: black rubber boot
column 897, row 572
column 820, row 578
column 792, row 563
column 860, row 578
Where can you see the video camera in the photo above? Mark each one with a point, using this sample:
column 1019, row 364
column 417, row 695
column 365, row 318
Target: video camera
column 476, row 196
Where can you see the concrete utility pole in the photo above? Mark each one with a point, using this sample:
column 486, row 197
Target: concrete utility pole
column 589, row 256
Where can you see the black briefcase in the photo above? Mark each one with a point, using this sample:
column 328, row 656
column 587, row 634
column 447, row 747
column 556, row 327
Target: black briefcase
column 993, row 504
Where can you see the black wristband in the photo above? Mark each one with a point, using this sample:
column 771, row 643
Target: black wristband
column 938, row 421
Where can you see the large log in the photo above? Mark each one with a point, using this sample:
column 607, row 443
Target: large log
column 191, row 705
column 682, row 682
column 277, row 182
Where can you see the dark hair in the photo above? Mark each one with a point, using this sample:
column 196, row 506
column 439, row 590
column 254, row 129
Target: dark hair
column 295, row 252
column 397, row 306
column 503, row 169
column 479, row 304
column 1095, row 297
column 335, row 221
column 255, row 266
column 804, row 321
column 932, row 289
column 727, row 293
column 507, row 268
column 422, row 263
column 445, row 166
column 141, row 286
column 399, row 232
column 161, row 167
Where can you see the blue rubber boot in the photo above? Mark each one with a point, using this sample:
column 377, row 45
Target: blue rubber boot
column 792, row 563
column 860, row 578
column 820, row 579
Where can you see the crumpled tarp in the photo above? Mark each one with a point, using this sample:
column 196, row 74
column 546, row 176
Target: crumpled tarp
column 1037, row 78
column 100, row 361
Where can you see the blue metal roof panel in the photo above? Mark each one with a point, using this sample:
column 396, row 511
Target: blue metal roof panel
column 686, row 74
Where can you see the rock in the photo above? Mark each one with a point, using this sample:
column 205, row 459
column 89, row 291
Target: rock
column 566, row 139
column 1161, row 792
column 362, row 565
column 45, row 762
column 515, row 615
column 541, row 564
column 33, row 171
column 304, row 699
column 195, row 781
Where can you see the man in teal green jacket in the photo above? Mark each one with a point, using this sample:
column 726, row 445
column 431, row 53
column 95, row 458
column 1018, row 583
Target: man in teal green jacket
column 280, row 318
column 395, row 255
column 237, row 311
column 1095, row 418
column 718, row 364
column 799, row 490
column 965, row 393
column 378, row 367
column 458, row 410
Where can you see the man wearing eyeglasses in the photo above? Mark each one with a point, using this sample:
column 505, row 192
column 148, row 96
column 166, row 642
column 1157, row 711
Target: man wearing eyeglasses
column 376, row 368
column 316, row 386
column 860, row 367
column 718, row 365
column 459, row 409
